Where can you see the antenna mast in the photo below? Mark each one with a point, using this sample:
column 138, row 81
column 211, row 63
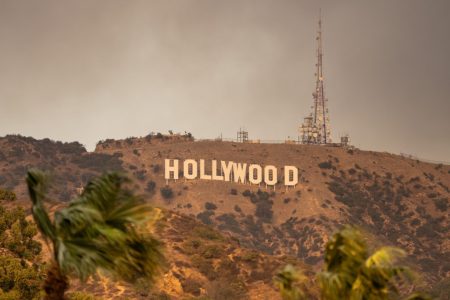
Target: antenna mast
column 316, row 128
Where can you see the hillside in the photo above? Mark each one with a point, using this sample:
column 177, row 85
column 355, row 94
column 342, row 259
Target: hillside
column 397, row 201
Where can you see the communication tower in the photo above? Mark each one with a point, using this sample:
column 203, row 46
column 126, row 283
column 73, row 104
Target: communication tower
column 242, row 136
column 316, row 127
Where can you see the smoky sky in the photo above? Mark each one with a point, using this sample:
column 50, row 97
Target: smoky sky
column 90, row 70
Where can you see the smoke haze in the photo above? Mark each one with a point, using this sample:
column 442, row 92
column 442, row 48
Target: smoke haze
column 90, row 70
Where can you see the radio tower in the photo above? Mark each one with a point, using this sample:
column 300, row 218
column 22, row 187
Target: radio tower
column 316, row 127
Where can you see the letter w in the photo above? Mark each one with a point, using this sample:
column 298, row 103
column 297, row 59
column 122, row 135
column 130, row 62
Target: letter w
column 239, row 172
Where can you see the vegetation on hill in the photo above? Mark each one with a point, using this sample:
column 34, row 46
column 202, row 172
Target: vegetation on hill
column 397, row 201
column 21, row 272
column 376, row 202
column 69, row 163
column 7, row 195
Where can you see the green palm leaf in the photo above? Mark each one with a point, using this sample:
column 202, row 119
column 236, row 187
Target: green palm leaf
column 37, row 188
column 350, row 273
column 101, row 230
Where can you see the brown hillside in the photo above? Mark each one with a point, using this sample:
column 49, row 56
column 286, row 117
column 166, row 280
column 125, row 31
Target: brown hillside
column 398, row 201
column 202, row 262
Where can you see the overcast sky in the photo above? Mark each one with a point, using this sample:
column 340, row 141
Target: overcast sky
column 89, row 70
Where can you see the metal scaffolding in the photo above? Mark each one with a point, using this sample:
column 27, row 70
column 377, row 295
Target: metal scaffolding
column 242, row 136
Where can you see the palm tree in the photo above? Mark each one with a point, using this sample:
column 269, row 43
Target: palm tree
column 98, row 231
column 288, row 281
column 350, row 273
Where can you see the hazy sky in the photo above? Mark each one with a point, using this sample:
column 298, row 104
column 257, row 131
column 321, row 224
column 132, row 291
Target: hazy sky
column 90, row 70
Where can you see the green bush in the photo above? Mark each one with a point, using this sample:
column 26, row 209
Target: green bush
column 17, row 234
column 7, row 195
column 18, row 280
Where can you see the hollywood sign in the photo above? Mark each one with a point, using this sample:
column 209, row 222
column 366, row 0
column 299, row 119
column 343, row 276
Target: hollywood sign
column 229, row 171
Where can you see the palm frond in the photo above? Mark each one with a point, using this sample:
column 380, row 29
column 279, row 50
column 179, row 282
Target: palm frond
column 350, row 273
column 344, row 254
column 384, row 257
column 37, row 188
column 99, row 230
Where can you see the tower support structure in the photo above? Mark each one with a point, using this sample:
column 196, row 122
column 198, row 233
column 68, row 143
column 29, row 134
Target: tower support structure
column 316, row 127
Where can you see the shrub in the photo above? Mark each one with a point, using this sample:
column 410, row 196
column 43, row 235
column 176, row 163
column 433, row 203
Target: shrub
column 167, row 192
column 140, row 175
column 230, row 223
column 237, row 208
column 204, row 266
column 211, row 251
column 233, row 192
column 18, row 280
column 206, row 233
column 441, row 204
column 264, row 211
column 326, row 165
column 250, row 256
column 210, row 206
column 156, row 168
column 191, row 246
column 205, row 217
column 17, row 233
column 151, row 185
column 415, row 222
column 98, row 162
column 246, row 193
column 7, row 195
column 227, row 289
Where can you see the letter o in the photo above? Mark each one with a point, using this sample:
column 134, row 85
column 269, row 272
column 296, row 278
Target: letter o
column 268, row 171
column 251, row 174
